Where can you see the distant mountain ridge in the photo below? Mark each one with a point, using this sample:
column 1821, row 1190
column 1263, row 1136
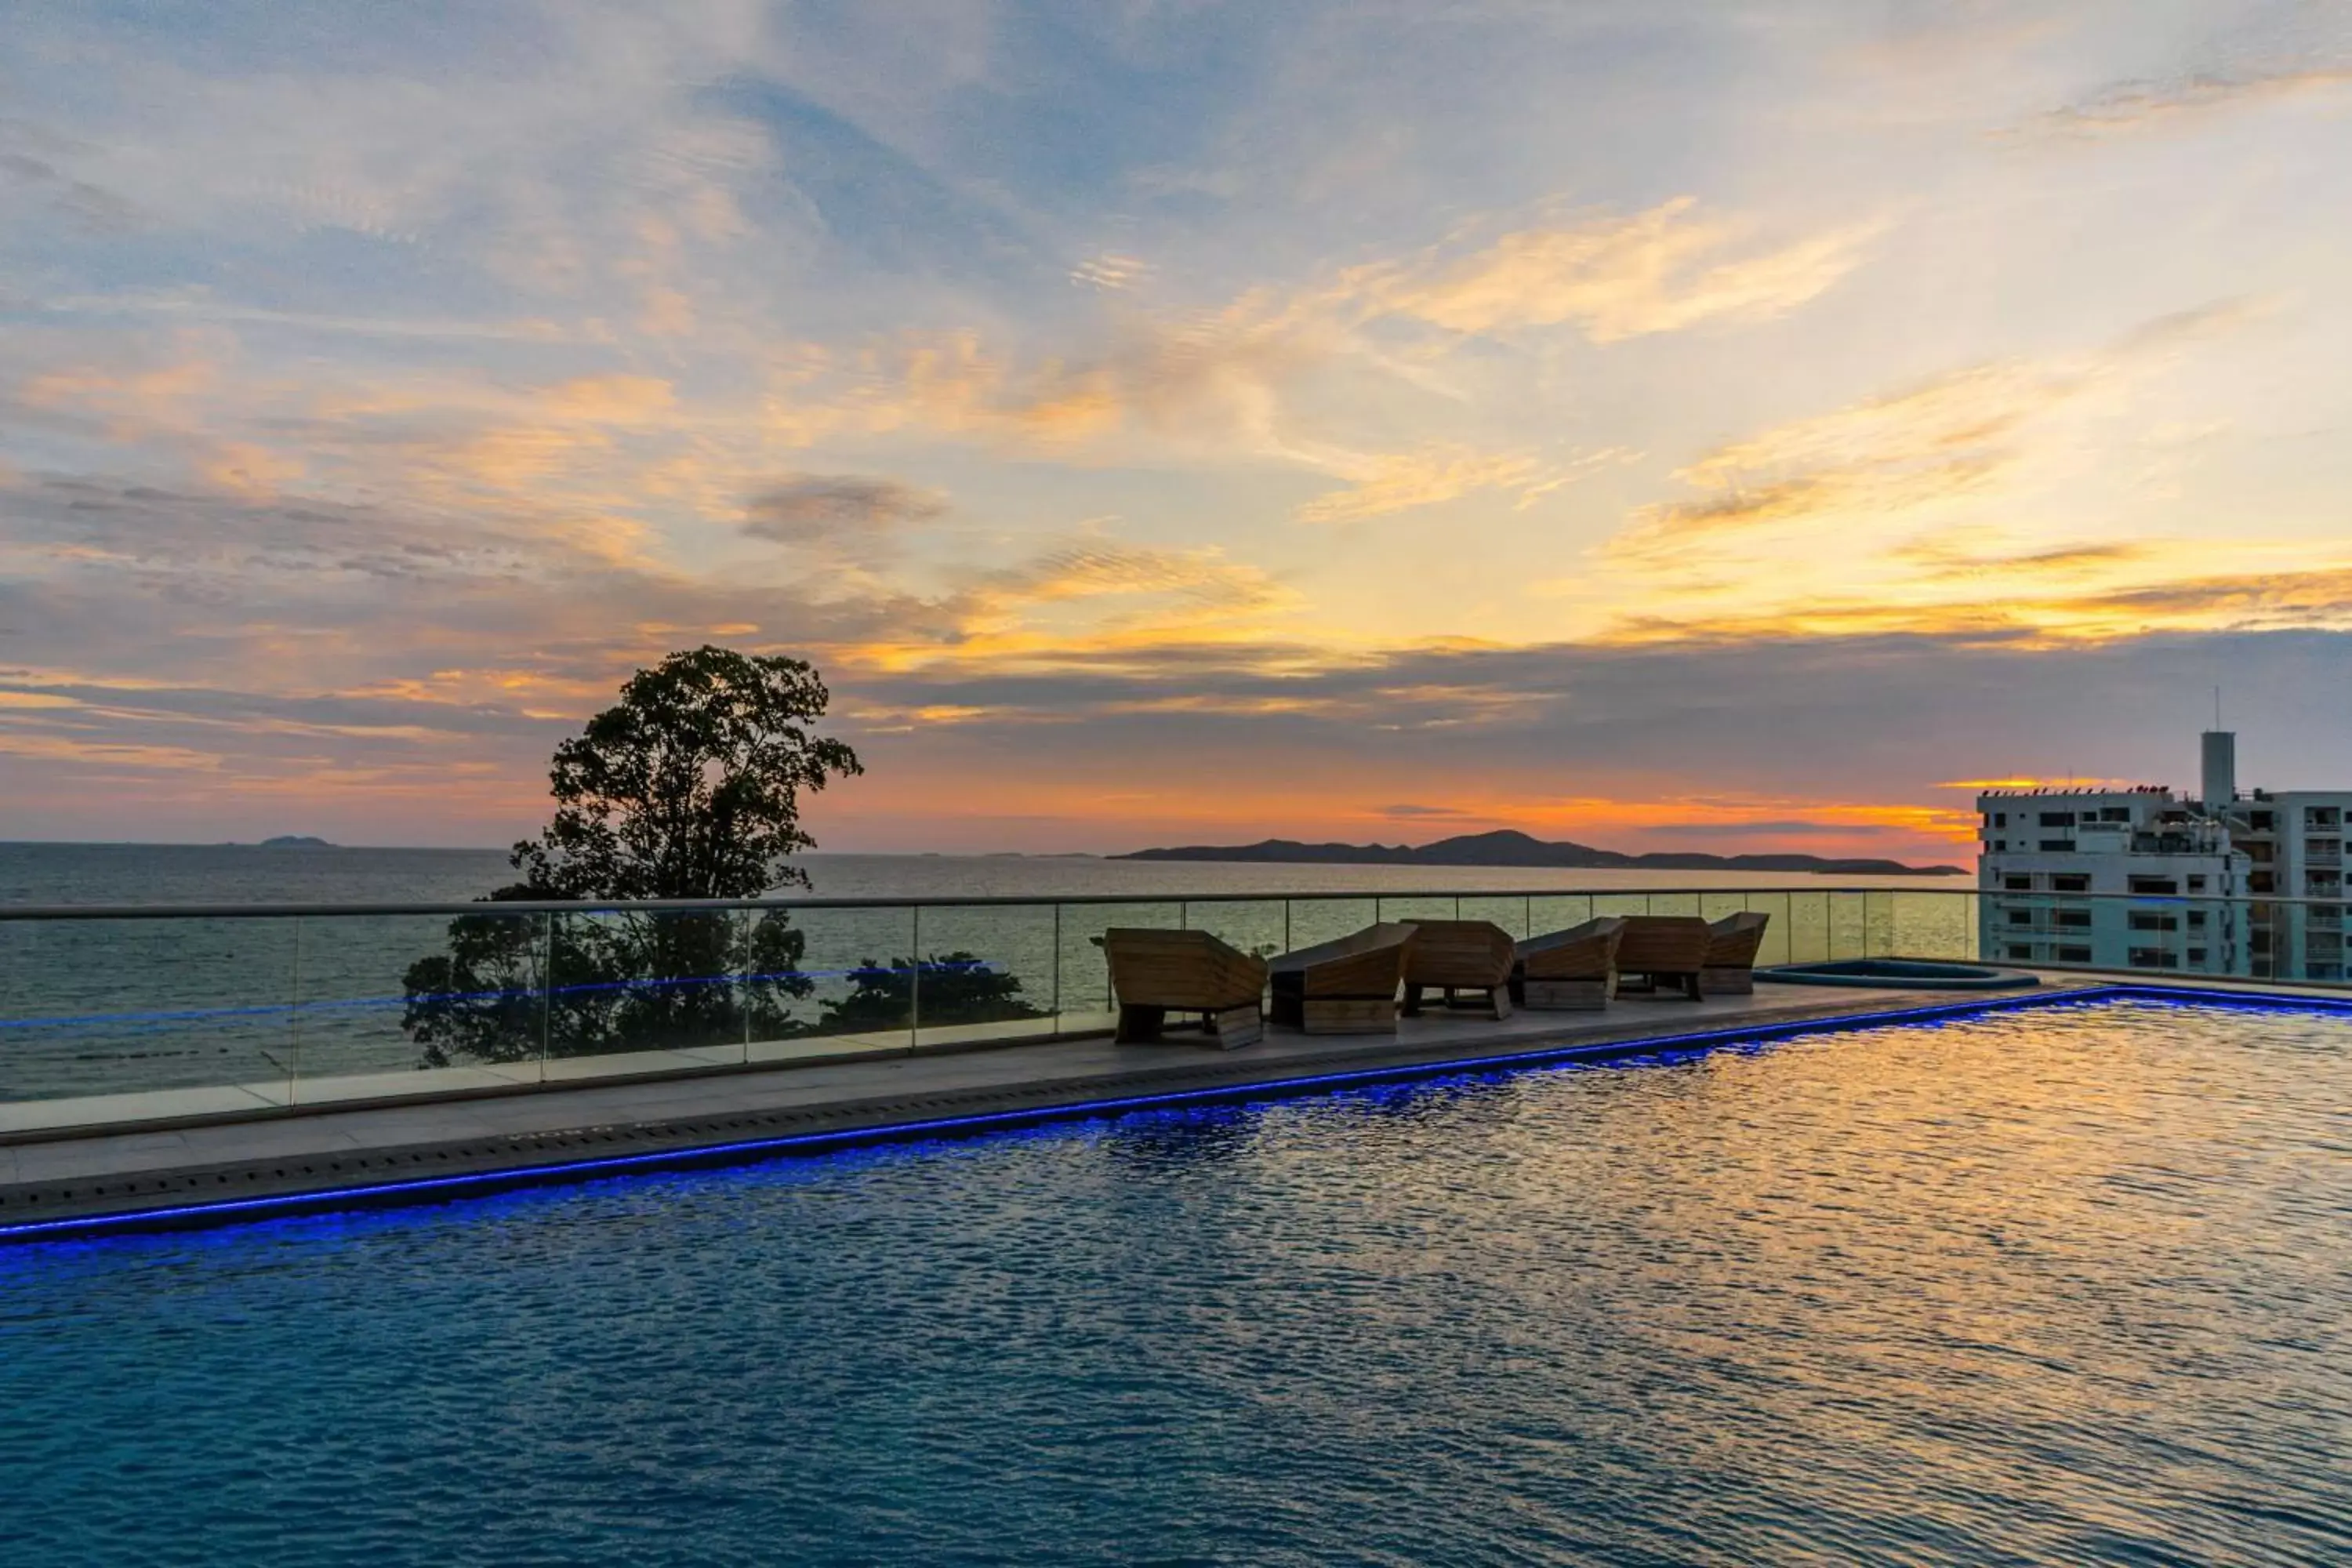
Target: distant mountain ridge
column 1508, row 847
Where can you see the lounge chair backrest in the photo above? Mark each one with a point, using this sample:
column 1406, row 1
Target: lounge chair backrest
column 1367, row 962
column 1586, row 951
column 1469, row 953
column 1187, row 969
column 1733, row 940
column 1662, row 945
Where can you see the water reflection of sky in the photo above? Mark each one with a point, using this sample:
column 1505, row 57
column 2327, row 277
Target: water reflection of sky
column 2056, row 1285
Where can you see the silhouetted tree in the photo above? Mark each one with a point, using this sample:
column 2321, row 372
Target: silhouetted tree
column 956, row 988
column 687, row 788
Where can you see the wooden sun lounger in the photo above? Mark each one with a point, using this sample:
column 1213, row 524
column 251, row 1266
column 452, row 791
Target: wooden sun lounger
column 1450, row 956
column 1664, row 948
column 1154, row 972
column 1343, row 987
column 1571, row 970
column 1731, row 946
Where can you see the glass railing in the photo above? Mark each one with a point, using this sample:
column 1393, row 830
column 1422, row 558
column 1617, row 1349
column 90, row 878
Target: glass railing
column 111, row 1016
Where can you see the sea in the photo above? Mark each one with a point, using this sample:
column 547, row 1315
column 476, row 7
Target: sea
column 101, row 1007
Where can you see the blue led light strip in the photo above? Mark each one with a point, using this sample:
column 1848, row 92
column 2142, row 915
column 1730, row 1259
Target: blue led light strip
column 176, row 1216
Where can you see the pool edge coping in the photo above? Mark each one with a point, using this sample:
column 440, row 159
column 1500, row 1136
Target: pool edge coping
column 1051, row 1107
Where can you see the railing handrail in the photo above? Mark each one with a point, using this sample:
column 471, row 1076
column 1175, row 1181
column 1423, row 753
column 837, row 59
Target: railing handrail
column 24, row 912
column 622, row 906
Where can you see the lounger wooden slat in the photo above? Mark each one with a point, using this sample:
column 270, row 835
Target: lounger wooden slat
column 1571, row 970
column 1468, row 957
column 1731, row 947
column 1154, row 972
column 1663, row 949
column 1343, row 987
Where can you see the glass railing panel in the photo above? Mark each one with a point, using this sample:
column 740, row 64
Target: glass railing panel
column 1673, row 903
column 1848, row 926
column 1415, row 906
column 989, row 971
column 1878, row 923
column 1809, row 927
column 1508, row 910
column 1086, row 1004
column 1314, row 920
column 1548, row 912
column 1774, row 947
column 392, row 1005
column 831, row 983
column 1714, row 906
column 1621, row 903
column 1939, row 925
column 1252, row 925
column 107, row 1021
column 645, row 991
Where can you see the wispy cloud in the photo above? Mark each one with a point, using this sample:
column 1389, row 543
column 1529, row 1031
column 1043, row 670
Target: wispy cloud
column 1402, row 481
column 1955, row 437
column 2126, row 107
column 838, row 509
column 1665, row 269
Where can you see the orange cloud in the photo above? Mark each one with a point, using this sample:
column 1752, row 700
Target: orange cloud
column 1405, row 480
column 1656, row 272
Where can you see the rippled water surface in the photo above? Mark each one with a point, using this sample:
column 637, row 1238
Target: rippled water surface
column 2065, row 1285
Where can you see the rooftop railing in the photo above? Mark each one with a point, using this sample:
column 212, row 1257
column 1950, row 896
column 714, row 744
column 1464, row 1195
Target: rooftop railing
column 113, row 1015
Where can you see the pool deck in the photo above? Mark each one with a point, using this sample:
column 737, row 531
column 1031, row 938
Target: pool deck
column 329, row 1157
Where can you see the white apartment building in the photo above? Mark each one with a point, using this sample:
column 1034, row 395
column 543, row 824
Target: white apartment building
column 2045, row 849
column 2191, row 874
column 2295, row 842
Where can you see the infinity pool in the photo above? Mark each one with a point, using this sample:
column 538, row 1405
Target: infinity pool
column 2068, row 1284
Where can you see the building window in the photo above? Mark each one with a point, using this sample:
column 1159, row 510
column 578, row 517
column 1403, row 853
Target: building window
column 2149, row 920
column 2073, row 956
column 2079, row 920
column 2019, row 949
column 2264, row 822
column 2115, row 814
column 2056, row 846
column 2196, row 920
column 2196, row 956
column 2070, row 882
column 2020, row 917
column 2018, row 882
column 2057, row 819
column 2196, row 884
column 2154, row 958
column 2163, row 886
column 2000, row 819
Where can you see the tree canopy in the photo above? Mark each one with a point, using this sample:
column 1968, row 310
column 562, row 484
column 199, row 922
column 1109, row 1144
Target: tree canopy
column 687, row 788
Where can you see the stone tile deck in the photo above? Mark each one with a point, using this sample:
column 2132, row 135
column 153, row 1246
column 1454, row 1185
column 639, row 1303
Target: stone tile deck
column 280, row 1152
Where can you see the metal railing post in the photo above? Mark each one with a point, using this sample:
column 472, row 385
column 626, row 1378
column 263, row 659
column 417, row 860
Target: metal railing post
column 546, row 989
column 294, row 1021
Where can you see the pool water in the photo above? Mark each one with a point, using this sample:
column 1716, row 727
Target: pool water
column 2065, row 1284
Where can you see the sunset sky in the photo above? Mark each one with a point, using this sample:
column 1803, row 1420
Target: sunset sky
column 1651, row 422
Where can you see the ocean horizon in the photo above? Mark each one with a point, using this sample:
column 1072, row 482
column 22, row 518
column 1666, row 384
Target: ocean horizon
column 36, row 871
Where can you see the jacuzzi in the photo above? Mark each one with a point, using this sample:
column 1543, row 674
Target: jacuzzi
column 1903, row 974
